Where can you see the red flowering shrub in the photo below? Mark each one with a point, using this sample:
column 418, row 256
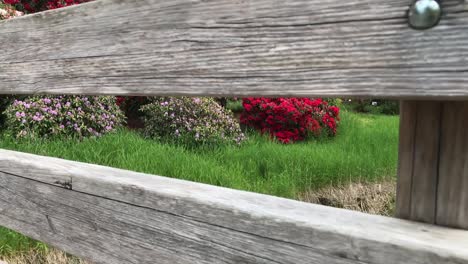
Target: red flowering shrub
column 290, row 119
column 32, row 6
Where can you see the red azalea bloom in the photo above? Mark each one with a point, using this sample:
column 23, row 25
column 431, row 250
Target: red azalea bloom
column 290, row 119
column 33, row 6
column 11, row 2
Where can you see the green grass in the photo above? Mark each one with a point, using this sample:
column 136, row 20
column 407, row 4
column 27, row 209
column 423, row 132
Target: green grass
column 365, row 149
column 12, row 243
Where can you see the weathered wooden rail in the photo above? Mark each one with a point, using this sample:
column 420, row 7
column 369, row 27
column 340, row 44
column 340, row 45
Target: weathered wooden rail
column 116, row 216
column 223, row 47
column 358, row 48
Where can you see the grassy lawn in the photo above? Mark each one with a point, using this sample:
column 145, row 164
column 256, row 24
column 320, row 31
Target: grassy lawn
column 11, row 243
column 365, row 149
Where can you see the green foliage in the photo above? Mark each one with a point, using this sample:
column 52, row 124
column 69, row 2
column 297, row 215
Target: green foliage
column 5, row 102
column 338, row 102
column 64, row 116
column 190, row 121
column 373, row 106
column 235, row 105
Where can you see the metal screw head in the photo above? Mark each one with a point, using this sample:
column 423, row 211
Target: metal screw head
column 424, row 14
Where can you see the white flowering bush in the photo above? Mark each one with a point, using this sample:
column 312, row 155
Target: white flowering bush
column 191, row 121
column 66, row 116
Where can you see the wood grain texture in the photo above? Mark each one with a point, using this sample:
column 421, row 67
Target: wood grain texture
column 433, row 163
column 452, row 201
column 418, row 172
column 408, row 117
column 358, row 48
column 114, row 216
column 426, row 162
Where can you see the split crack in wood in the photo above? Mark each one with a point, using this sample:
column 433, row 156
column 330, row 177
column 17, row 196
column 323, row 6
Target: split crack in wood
column 66, row 184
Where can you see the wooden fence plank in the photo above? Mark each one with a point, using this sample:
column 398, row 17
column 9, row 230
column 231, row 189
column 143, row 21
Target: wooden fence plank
column 356, row 48
column 452, row 202
column 408, row 117
column 425, row 162
column 433, row 164
column 419, row 160
column 114, row 216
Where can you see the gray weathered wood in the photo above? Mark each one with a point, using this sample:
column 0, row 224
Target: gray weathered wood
column 419, row 160
column 433, row 165
column 425, row 162
column 114, row 216
column 408, row 110
column 224, row 47
column 452, row 202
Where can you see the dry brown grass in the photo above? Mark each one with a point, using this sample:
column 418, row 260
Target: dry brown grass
column 52, row 256
column 372, row 198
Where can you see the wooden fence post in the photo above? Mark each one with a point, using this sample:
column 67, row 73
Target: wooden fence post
column 433, row 163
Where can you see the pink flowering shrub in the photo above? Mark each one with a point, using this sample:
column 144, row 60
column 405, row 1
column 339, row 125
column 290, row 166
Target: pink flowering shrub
column 190, row 121
column 67, row 116
column 8, row 11
column 32, row 6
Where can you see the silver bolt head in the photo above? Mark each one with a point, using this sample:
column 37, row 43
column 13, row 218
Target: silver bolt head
column 424, row 14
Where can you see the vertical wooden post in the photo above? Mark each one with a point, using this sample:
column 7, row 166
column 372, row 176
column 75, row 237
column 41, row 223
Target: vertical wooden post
column 433, row 163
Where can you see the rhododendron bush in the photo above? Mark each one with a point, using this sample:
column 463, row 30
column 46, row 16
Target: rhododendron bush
column 69, row 116
column 290, row 119
column 8, row 11
column 32, row 6
column 190, row 121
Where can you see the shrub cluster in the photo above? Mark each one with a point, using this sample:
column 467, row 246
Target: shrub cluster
column 69, row 116
column 290, row 119
column 32, row 6
column 373, row 106
column 188, row 120
column 8, row 11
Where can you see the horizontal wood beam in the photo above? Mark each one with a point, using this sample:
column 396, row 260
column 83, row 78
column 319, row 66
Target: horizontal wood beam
column 355, row 48
column 115, row 216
